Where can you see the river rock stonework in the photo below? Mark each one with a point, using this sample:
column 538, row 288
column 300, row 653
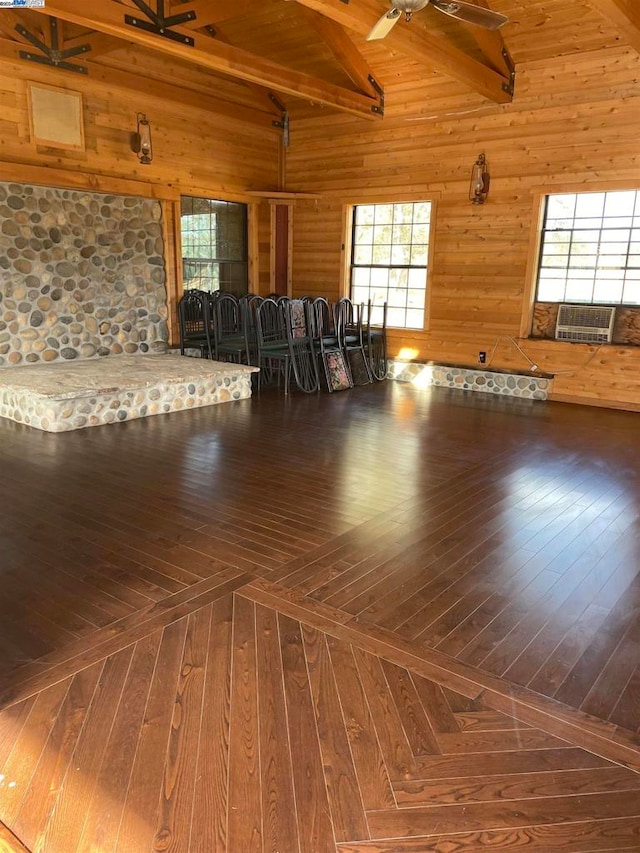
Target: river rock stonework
column 81, row 275
column 467, row 379
column 62, row 397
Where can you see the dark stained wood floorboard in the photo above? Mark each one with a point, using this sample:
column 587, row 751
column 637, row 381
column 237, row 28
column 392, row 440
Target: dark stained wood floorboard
column 502, row 533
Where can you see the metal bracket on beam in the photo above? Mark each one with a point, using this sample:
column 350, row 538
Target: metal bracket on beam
column 159, row 23
column 509, row 85
column 283, row 124
column 52, row 56
column 378, row 108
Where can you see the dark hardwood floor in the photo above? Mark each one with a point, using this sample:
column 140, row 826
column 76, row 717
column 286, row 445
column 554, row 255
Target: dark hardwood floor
column 381, row 620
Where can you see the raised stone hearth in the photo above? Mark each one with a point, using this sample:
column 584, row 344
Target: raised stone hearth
column 468, row 379
column 61, row 396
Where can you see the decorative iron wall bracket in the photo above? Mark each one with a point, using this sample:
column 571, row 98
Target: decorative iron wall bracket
column 52, row 56
column 283, row 123
column 510, row 84
column 378, row 108
column 160, row 24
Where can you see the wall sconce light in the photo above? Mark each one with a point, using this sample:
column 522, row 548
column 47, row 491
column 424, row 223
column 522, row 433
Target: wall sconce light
column 479, row 189
column 141, row 140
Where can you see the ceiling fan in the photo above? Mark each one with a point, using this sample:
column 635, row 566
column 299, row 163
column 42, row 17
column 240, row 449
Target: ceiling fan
column 463, row 11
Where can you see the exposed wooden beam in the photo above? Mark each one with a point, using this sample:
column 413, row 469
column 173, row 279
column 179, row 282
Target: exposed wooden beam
column 100, row 43
column 10, row 19
column 137, row 82
column 108, row 17
column 416, row 42
column 625, row 15
column 343, row 49
column 492, row 44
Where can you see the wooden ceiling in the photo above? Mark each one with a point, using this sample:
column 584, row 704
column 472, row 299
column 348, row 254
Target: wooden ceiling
column 260, row 58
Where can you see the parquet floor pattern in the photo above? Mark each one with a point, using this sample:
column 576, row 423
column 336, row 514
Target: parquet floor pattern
column 421, row 594
column 239, row 728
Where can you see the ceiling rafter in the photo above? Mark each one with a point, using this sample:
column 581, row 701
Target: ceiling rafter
column 625, row 15
column 417, row 43
column 343, row 49
column 48, row 49
column 492, row 44
column 10, row 19
column 108, row 17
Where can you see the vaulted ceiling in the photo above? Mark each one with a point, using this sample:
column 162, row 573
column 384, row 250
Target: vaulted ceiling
column 264, row 58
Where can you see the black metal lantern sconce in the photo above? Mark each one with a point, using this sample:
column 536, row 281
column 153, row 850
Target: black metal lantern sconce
column 479, row 188
column 141, row 140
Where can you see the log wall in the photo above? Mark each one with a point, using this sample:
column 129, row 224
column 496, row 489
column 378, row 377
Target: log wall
column 573, row 125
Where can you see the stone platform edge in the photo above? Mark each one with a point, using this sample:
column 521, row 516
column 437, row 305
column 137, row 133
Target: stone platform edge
column 124, row 404
column 467, row 379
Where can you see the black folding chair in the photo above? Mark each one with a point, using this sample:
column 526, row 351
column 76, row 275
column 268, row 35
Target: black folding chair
column 348, row 322
column 194, row 322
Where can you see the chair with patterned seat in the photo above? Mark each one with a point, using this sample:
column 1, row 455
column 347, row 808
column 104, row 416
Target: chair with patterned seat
column 350, row 334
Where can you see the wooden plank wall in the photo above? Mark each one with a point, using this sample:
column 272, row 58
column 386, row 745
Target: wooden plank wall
column 196, row 150
column 573, row 125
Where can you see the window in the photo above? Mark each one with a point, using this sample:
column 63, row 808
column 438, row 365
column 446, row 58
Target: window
column 214, row 244
column 390, row 251
column 590, row 249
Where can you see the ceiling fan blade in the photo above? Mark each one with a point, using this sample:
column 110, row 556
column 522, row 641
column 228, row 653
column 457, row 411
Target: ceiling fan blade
column 384, row 26
column 471, row 14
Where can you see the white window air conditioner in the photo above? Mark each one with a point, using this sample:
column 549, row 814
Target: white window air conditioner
column 585, row 323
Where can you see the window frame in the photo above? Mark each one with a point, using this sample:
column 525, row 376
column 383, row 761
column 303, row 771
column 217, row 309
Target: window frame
column 347, row 248
column 248, row 262
column 597, row 246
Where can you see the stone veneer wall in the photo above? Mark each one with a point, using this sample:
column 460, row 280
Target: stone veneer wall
column 468, row 379
column 81, row 275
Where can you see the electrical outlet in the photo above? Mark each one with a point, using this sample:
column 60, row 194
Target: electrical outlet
column 482, row 357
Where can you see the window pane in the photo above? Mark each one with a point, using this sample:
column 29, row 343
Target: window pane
column 589, row 243
column 364, row 234
column 364, row 214
column 382, row 235
column 589, row 205
column 382, row 255
column 396, row 317
column 401, row 254
column 363, row 254
column 380, row 279
column 422, row 212
column 390, row 247
column 402, row 213
column 383, row 214
column 415, row 319
column 417, row 278
column 419, row 255
column 631, row 294
column 579, row 290
column 415, row 298
column 360, row 277
column 214, row 244
column 398, row 277
column 620, row 204
column 551, row 291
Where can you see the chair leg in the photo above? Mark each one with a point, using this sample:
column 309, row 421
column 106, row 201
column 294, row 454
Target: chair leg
column 287, row 375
